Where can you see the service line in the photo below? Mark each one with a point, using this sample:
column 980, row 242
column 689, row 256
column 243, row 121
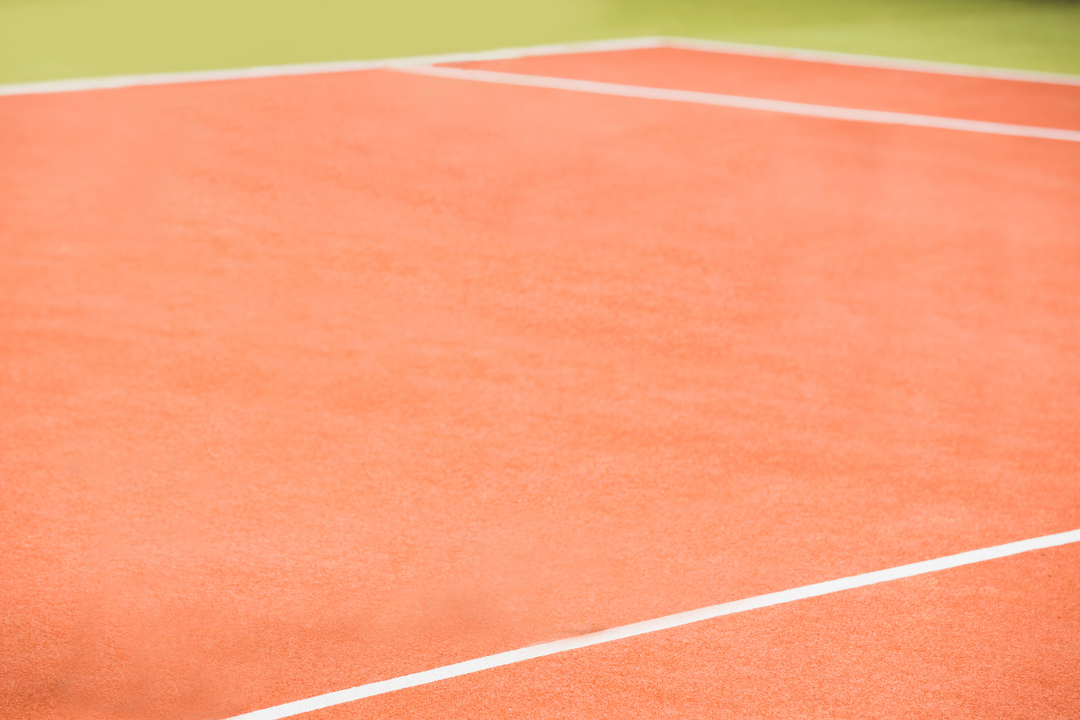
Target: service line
column 743, row 103
column 662, row 623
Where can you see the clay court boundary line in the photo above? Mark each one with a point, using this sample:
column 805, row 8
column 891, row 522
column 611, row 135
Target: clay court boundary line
column 657, row 624
column 270, row 71
column 640, row 43
column 870, row 61
column 740, row 102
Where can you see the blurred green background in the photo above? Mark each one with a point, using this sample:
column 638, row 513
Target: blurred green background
column 49, row 39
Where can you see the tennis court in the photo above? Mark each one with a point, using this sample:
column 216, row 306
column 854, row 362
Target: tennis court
column 325, row 377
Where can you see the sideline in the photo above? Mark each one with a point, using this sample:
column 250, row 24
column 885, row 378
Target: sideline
column 872, row 61
column 640, row 43
column 663, row 623
column 743, row 103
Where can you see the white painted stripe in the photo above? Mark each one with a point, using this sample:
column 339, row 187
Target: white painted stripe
column 122, row 81
column 664, row 623
column 872, row 61
column 743, row 103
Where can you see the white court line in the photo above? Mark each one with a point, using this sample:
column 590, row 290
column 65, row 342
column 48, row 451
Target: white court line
column 743, row 103
column 871, row 61
column 269, row 71
column 641, row 43
column 663, row 623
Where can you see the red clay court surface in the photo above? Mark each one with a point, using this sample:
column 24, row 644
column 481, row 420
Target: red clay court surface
column 316, row 381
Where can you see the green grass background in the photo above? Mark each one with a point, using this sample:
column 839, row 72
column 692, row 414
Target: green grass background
column 48, row 39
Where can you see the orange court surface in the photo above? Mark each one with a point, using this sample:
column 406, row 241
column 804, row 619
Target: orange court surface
column 316, row 381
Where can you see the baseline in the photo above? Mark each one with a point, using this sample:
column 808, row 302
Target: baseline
column 785, row 107
column 639, row 43
column 667, row 622
column 270, row 71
